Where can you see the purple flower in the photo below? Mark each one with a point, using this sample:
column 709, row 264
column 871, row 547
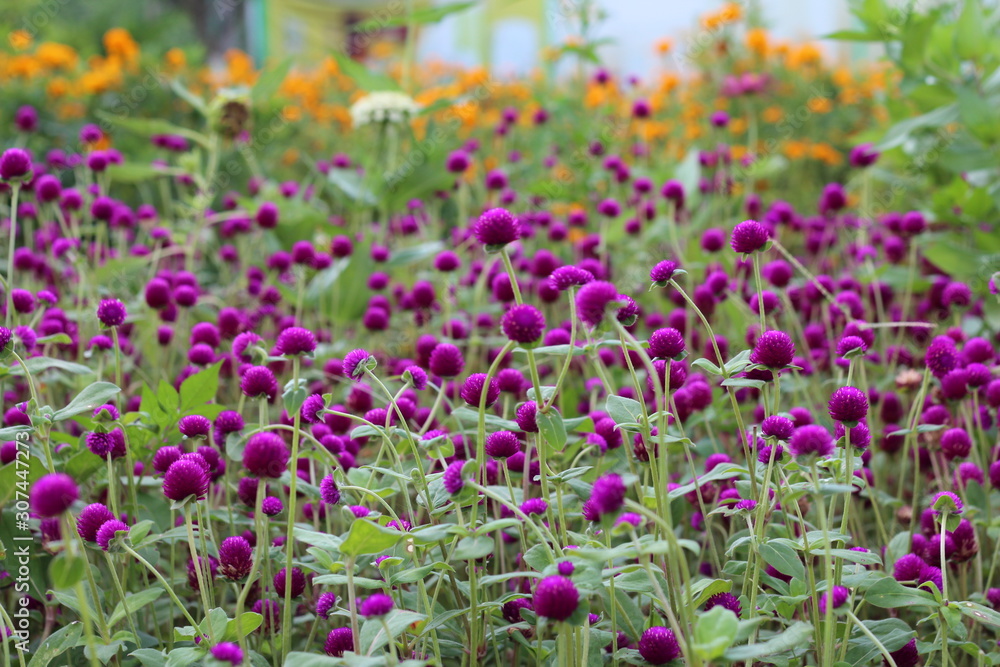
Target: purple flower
column 452, row 478
column 15, row 164
column 608, row 494
column 472, row 390
column 773, row 349
column 194, row 426
column 777, row 427
column 556, row 598
column 295, row 341
column 298, row 582
column 749, row 236
column 227, row 652
column 328, row 491
column 534, row 506
column 502, row 444
column 566, row 277
column 908, row 656
column 523, row 324
column 52, row 494
column 325, row 603
column 378, row 604
column 418, row 377
column 834, row 598
column 111, row 312
column 593, row 300
column 726, row 601
column 666, row 343
column 311, row 408
column 811, row 440
column 272, row 506
column 446, row 361
column 863, row 155
column 259, row 382
column 526, row 417
column 658, row 645
column 746, row 505
column 265, row 455
column 956, row 443
column 235, row 558
column 941, row 356
column 108, row 531
column 355, row 363
column 338, row 642
column 948, row 501
column 91, row 519
column 496, row 228
column 848, row 405
column 512, row 610
column 185, row 478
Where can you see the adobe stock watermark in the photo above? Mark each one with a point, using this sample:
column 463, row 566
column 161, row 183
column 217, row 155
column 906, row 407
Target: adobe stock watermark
column 37, row 18
column 20, row 617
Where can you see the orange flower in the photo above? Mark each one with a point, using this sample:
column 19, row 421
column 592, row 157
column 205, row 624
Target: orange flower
column 664, row 46
column 773, row 114
column 795, row 150
column 57, row 56
column 820, row 105
column 175, row 59
column 20, row 39
column 756, row 41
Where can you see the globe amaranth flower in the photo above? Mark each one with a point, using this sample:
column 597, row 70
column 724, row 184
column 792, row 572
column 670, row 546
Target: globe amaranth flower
column 325, row 604
column 446, row 361
column 356, row 363
column 948, row 502
column 566, row 277
column 452, row 478
column 608, row 494
column 111, row 313
column 511, row 610
column 908, row 656
column 259, row 382
column 811, row 440
column 271, row 611
column 227, row 652
column 777, row 427
column 266, row 455
column 53, row 494
column 593, row 300
column 534, row 506
column 663, row 272
column 526, row 417
column 556, row 598
column 658, row 645
column 956, row 443
column 523, row 324
column 328, row 491
column 194, row 426
column 91, row 519
column 295, row 341
column 186, row 477
column 108, row 531
column 666, row 343
column 15, row 165
column 235, row 558
column 496, row 228
column 338, row 642
column 848, row 405
column 378, row 604
column 272, row 506
column 417, row 377
column 863, row 155
column 472, row 390
column 834, row 599
column 311, row 408
column 749, row 236
column 502, row 444
column 726, row 601
column 298, row 582
column 941, row 356
column 773, row 349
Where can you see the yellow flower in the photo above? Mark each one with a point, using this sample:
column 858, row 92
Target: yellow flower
column 773, row 114
column 756, row 41
column 820, row 104
column 175, row 59
column 20, row 39
column 664, row 46
column 56, row 56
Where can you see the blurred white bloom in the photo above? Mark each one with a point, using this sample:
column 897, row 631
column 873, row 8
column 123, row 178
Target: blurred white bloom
column 384, row 106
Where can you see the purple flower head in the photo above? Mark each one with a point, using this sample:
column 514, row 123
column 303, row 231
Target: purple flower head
column 848, row 405
column 556, row 597
column 15, row 165
column 111, row 312
column 272, row 506
column 726, row 601
column 452, row 478
column 378, row 604
column 834, row 599
column 593, row 300
column 777, row 427
column 749, row 236
column 91, row 519
column 534, row 506
column 259, row 382
column 328, row 491
column 338, row 642
column 941, row 356
column 108, row 531
column 773, row 349
column 502, row 444
column 663, row 272
column 227, row 652
column 311, row 408
column 908, row 656
column 746, row 505
column 325, row 604
column 811, row 440
column 608, row 494
column 523, row 324
column 235, row 558
column 666, row 343
column 266, row 455
column 185, row 478
column 295, row 341
column 298, row 582
column 956, row 443
column 863, row 155
column 946, row 501
column 658, row 645
column 566, row 277
column 446, row 361
column 356, row 363
column 496, row 228
column 52, row 494
column 526, row 417
column 194, row 426
column 472, row 390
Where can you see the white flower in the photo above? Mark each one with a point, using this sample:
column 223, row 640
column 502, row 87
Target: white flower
column 383, row 106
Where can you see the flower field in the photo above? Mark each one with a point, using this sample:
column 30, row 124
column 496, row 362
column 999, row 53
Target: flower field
column 413, row 364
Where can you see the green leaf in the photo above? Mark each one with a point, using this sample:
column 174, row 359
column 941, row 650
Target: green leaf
column 367, row 537
column 297, row 659
column 66, row 571
column 423, row 16
column 888, row 593
column 972, row 38
column 979, row 613
column 893, row 633
column 134, row 601
column 270, row 81
column 624, row 410
column 199, row 388
column 552, row 428
column 136, row 172
column 149, row 657
column 714, row 632
column 184, row 656
column 189, row 97
column 105, row 652
column 703, row 589
column 472, row 548
column 38, row 365
column 352, row 184
column 249, row 621
column 978, row 113
column 797, row 635
column 56, row 644
column 96, row 394
column 373, row 635
column 362, row 76
column 784, row 558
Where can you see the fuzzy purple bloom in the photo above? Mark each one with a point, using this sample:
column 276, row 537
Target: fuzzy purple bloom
column 556, row 597
column 658, row 645
column 53, row 494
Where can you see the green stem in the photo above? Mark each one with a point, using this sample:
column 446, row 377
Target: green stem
column 286, row 624
column 168, row 587
column 12, row 239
